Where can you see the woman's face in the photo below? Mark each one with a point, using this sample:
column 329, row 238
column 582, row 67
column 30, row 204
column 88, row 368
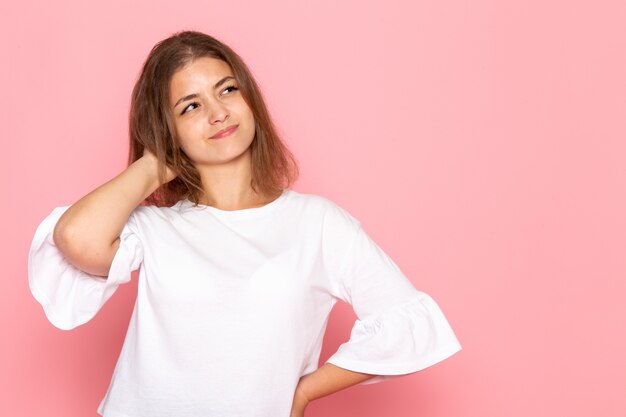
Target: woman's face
column 203, row 101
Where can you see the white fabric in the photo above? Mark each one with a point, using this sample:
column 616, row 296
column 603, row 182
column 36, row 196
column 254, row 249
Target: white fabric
column 232, row 306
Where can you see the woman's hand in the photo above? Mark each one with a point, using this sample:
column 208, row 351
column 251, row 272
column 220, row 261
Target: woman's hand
column 300, row 402
column 169, row 173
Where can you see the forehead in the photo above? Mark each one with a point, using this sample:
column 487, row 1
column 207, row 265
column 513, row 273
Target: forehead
column 201, row 73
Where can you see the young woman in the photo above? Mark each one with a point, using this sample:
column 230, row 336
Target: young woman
column 238, row 273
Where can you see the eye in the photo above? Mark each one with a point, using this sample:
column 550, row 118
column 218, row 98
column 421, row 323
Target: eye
column 185, row 110
column 231, row 87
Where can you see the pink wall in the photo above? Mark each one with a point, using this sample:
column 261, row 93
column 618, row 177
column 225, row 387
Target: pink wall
column 482, row 144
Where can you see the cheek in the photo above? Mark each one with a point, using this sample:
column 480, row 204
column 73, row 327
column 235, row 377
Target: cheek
column 250, row 121
column 187, row 132
column 185, row 139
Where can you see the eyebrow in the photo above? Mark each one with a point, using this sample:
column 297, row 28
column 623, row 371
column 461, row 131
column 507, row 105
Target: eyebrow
column 192, row 96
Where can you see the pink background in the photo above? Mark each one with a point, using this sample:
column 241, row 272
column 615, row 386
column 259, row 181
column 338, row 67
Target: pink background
column 482, row 144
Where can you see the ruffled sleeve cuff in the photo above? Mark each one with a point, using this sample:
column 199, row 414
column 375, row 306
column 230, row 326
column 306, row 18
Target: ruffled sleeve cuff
column 69, row 296
column 403, row 340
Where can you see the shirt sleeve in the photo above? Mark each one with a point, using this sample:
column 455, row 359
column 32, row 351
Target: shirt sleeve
column 399, row 329
column 69, row 296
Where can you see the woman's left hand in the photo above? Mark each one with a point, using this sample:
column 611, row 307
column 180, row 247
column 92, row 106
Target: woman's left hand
column 300, row 402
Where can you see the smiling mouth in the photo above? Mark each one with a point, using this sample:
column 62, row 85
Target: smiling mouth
column 225, row 132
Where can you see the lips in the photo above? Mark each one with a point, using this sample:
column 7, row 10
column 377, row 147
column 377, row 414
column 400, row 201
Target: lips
column 224, row 132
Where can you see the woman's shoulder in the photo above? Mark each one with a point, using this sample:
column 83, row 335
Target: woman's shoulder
column 149, row 211
column 325, row 206
column 314, row 201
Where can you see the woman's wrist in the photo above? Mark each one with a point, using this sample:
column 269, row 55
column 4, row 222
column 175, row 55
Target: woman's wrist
column 299, row 403
column 329, row 379
column 300, row 399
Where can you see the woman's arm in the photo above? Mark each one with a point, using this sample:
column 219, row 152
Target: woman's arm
column 326, row 380
column 88, row 232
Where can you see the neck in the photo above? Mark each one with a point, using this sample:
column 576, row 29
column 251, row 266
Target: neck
column 227, row 186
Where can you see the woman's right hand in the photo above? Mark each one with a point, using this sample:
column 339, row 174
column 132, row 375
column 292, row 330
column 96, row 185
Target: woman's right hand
column 169, row 173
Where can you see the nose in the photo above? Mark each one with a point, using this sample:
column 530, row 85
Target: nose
column 217, row 112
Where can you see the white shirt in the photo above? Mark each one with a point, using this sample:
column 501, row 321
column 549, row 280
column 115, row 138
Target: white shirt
column 232, row 306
